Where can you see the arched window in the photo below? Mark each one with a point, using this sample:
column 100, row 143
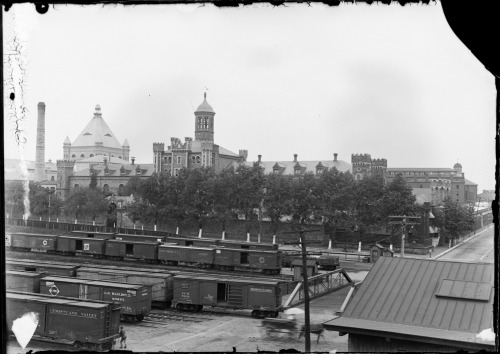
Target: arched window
column 120, row 189
column 119, row 157
column 82, row 155
column 52, row 178
column 77, row 185
column 105, row 188
column 91, row 155
column 170, row 159
column 198, row 159
column 73, row 156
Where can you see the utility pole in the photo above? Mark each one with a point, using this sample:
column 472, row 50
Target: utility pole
column 302, row 241
column 404, row 220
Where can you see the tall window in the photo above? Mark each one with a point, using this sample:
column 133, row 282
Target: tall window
column 120, row 189
column 178, row 159
column 105, row 188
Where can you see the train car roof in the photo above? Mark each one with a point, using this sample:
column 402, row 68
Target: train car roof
column 247, row 250
column 94, row 282
column 135, row 235
column 23, row 273
column 57, row 300
column 135, row 242
column 145, row 273
column 82, row 238
column 188, row 247
column 245, row 280
column 43, row 264
column 33, row 234
column 92, row 232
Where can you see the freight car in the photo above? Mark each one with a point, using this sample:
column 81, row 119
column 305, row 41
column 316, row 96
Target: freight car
column 202, row 257
column 92, row 234
column 192, row 292
column 162, row 283
column 28, row 282
column 73, row 245
column 328, row 262
column 88, row 324
column 49, row 268
column 230, row 258
column 119, row 249
column 135, row 299
column 192, row 241
column 21, row 241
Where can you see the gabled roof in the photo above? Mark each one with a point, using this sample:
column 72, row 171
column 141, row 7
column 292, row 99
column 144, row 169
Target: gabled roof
column 288, row 167
column 469, row 183
column 97, row 131
column 114, row 170
column 226, row 152
column 422, row 300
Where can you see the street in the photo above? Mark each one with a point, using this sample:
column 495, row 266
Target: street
column 476, row 249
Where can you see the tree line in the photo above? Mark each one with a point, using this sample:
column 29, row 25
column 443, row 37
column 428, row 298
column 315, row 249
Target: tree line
column 332, row 198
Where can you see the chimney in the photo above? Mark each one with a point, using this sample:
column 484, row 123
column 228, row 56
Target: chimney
column 294, row 157
column 40, row 144
column 335, row 157
column 259, row 156
column 133, row 160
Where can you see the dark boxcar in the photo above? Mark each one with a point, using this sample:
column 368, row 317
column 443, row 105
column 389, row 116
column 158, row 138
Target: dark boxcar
column 162, row 283
column 140, row 238
column 49, row 268
column 140, row 250
column 92, row 234
column 134, row 299
column 26, row 241
column 82, row 245
column 263, row 297
column 88, row 324
column 28, row 282
column 247, row 245
column 202, row 257
column 229, row 258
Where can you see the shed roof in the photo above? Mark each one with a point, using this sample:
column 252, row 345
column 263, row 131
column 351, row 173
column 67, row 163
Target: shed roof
column 422, row 299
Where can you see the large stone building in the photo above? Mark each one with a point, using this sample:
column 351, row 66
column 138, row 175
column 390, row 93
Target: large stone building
column 200, row 152
column 97, row 151
column 437, row 183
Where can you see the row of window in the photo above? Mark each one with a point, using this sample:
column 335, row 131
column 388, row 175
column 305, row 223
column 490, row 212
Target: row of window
column 411, row 173
column 204, row 123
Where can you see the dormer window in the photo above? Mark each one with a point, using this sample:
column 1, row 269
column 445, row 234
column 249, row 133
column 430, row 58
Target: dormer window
column 138, row 171
column 108, row 135
column 122, row 171
column 106, row 170
column 87, row 133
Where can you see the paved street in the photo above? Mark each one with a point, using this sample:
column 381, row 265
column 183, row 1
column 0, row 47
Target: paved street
column 476, row 249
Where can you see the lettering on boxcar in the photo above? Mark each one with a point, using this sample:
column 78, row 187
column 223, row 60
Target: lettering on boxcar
column 86, row 247
column 258, row 290
column 262, row 260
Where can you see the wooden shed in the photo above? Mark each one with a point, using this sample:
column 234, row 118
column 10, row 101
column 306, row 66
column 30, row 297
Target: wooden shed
column 378, row 250
column 420, row 305
column 312, row 268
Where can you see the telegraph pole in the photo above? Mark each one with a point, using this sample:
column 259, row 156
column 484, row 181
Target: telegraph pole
column 404, row 220
column 302, row 241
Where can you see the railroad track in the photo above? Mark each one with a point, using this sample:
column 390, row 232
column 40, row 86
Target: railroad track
column 134, row 263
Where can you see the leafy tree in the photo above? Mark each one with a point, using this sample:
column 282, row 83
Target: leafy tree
column 304, row 200
column 367, row 205
column 248, row 192
column 14, row 198
column 454, row 218
column 398, row 199
column 276, row 198
column 221, row 192
column 93, row 181
column 133, row 186
column 86, row 202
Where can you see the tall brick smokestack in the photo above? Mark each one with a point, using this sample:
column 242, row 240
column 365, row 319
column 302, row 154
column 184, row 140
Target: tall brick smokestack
column 40, row 144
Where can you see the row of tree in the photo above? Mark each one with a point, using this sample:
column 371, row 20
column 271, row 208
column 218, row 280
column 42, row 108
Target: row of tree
column 332, row 198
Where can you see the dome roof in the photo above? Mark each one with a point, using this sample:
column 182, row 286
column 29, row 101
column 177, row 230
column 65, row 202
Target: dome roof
column 204, row 106
column 457, row 165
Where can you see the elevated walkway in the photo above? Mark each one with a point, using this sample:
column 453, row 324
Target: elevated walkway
column 319, row 285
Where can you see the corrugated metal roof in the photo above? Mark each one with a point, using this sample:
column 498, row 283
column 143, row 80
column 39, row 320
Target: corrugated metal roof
column 403, row 291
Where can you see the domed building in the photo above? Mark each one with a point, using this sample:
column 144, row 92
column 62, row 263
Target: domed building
column 200, row 152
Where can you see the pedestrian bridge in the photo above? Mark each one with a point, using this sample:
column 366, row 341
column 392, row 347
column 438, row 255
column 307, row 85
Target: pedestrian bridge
column 319, row 285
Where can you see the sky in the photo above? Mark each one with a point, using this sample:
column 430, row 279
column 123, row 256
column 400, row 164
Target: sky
column 391, row 81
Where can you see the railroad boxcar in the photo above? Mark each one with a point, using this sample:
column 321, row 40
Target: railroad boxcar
column 140, row 238
column 134, row 299
column 229, row 258
column 92, row 234
column 88, row 324
column 162, row 283
column 247, row 245
column 28, row 282
column 27, row 242
column 49, row 268
column 119, row 249
column 71, row 245
column 202, row 257
column 263, row 297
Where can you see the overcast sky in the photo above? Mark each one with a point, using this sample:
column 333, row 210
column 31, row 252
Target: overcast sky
column 391, row 81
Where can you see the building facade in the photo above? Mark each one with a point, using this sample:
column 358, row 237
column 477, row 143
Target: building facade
column 200, row 152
